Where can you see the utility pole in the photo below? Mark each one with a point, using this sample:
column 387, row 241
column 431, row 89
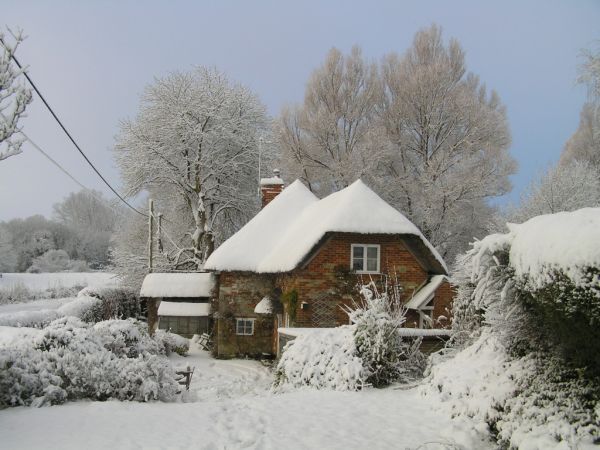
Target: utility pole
column 150, row 239
column 159, row 233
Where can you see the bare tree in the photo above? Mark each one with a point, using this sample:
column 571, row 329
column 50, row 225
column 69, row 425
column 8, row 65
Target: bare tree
column 14, row 96
column 447, row 141
column 194, row 146
column 327, row 140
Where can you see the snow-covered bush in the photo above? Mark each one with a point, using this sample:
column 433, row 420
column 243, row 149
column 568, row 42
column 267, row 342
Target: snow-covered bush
column 171, row 342
column 112, row 303
column 56, row 261
column 385, row 355
column 71, row 359
column 371, row 351
column 323, row 359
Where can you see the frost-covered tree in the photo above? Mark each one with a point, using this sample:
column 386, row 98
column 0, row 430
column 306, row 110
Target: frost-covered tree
column 14, row 96
column 328, row 140
column 566, row 187
column 447, row 141
column 584, row 144
column 195, row 144
column 426, row 134
column 8, row 255
column 92, row 221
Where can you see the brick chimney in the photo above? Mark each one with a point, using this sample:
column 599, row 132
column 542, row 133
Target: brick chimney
column 270, row 187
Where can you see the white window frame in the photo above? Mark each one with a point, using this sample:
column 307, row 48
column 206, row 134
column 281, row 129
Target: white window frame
column 245, row 319
column 365, row 247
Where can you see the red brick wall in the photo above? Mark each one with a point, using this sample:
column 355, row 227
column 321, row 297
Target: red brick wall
column 322, row 281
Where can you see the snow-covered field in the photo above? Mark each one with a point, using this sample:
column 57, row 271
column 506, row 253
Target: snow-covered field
column 35, row 307
column 230, row 406
column 43, row 281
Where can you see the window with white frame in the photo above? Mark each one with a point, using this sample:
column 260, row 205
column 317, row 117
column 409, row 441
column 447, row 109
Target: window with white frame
column 244, row 327
column 365, row 258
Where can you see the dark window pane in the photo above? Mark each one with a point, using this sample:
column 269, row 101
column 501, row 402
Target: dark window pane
column 357, row 264
column 357, row 252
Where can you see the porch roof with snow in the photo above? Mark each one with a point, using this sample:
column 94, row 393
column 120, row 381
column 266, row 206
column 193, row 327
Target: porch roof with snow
column 184, row 309
column 426, row 293
column 182, row 285
column 281, row 236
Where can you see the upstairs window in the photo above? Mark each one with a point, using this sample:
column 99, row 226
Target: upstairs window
column 244, row 327
column 365, row 258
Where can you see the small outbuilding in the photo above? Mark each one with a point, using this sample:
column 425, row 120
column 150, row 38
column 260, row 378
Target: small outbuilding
column 179, row 302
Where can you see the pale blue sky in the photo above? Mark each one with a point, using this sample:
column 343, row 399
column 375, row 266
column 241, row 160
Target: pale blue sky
column 92, row 60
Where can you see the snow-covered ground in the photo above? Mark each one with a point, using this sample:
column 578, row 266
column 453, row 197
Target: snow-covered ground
column 43, row 281
column 230, row 406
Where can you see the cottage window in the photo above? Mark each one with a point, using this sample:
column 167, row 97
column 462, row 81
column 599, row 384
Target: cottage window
column 244, row 327
column 365, row 258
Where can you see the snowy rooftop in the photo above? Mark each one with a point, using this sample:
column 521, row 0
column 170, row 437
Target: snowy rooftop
column 178, row 285
column 183, row 309
column 279, row 237
column 426, row 293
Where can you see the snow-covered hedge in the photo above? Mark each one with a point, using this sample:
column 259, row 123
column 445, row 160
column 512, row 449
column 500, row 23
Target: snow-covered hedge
column 71, row 359
column 528, row 313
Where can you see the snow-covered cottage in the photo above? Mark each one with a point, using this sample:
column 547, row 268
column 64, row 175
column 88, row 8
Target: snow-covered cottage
column 300, row 257
column 179, row 302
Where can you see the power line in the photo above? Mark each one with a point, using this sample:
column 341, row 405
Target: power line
column 68, row 134
column 63, row 170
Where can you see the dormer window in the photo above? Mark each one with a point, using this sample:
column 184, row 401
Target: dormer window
column 365, row 258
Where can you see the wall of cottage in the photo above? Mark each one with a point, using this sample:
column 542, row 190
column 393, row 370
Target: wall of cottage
column 313, row 295
column 239, row 292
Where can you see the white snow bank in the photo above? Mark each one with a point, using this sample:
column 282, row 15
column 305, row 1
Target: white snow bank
column 473, row 381
column 279, row 237
column 183, row 309
column 426, row 293
column 178, row 285
column 565, row 241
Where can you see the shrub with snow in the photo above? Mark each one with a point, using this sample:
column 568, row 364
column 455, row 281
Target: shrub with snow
column 371, row 351
column 536, row 295
column 385, row 355
column 57, row 261
column 171, row 342
column 323, row 359
column 112, row 303
column 71, row 359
